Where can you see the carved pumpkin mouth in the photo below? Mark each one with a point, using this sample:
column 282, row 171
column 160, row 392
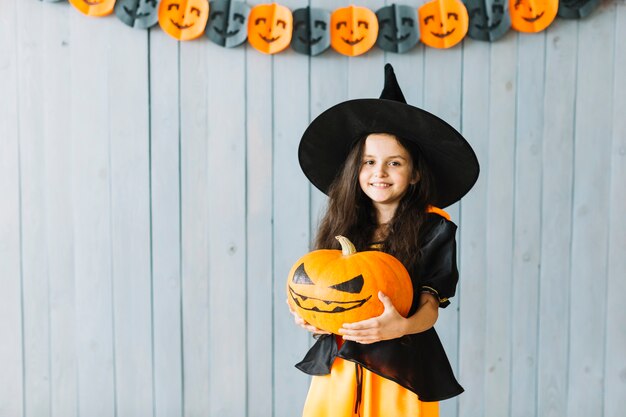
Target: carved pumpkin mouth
column 443, row 35
column 533, row 19
column 133, row 14
column 354, row 42
column 324, row 306
column 228, row 34
column 92, row 2
column 311, row 42
column 397, row 40
column 180, row 26
column 269, row 40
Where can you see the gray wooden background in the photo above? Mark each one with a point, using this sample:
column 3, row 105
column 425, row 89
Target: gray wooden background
column 151, row 205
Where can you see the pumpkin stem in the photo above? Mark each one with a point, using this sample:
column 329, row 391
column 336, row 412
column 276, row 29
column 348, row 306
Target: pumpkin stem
column 347, row 248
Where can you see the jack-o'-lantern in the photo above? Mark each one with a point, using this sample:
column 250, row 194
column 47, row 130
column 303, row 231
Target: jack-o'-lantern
column 228, row 22
column 443, row 23
column 139, row 14
column 328, row 288
column 183, row 19
column 398, row 28
column 94, row 7
column 532, row 16
column 489, row 20
column 576, row 9
column 353, row 30
column 269, row 28
column 311, row 31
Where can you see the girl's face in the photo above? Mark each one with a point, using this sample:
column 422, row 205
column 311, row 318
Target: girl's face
column 386, row 171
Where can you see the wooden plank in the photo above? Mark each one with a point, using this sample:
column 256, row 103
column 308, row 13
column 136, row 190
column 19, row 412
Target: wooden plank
column 291, row 222
column 57, row 177
column 130, row 216
column 615, row 359
column 527, row 223
column 499, row 236
column 166, row 224
column 227, row 228
column 35, row 290
column 557, row 168
column 11, row 358
column 472, row 247
column 442, row 87
column 91, row 176
column 260, row 347
column 591, row 213
column 195, row 206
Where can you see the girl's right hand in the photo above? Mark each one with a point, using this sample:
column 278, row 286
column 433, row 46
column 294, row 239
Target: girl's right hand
column 300, row 322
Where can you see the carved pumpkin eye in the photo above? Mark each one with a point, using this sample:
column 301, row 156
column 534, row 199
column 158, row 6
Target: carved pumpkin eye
column 172, row 6
column 363, row 24
column 340, row 25
column 281, row 23
column 259, row 21
column 353, row 286
column 429, row 19
column 453, row 15
column 301, row 277
column 407, row 22
column 320, row 24
column 239, row 17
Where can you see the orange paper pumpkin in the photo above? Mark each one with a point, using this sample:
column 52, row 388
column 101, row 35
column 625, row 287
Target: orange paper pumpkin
column 270, row 27
column 330, row 287
column 94, row 7
column 353, row 30
column 443, row 23
column 532, row 16
column 183, row 19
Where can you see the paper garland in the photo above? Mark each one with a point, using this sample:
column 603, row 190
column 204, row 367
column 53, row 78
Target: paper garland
column 351, row 31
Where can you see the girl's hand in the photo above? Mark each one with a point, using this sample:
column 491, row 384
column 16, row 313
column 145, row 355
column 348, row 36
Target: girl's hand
column 389, row 325
column 300, row 322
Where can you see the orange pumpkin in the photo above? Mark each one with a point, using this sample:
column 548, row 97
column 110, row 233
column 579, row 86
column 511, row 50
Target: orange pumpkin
column 443, row 23
column 94, row 7
column 330, row 287
column 183, row 19
column 270, row 27
column 353, row 30
column 532, row 16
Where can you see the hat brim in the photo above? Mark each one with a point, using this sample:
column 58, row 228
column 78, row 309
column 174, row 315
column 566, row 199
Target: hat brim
column 327, row 141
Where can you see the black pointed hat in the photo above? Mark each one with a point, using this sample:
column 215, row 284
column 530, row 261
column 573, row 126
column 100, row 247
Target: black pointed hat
column 327, row 141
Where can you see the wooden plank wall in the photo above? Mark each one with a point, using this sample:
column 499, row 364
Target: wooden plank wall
column 152, row 205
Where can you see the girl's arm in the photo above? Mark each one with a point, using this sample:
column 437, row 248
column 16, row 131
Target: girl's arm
column 390, row 324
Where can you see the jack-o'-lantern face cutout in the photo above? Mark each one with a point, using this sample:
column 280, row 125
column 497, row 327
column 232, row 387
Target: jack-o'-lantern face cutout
column 532, row 15
column 443, row 23
column 269, row 28
column 488, row 19
column 311, row 31
column 330, row 287
column 183, row 19
column 94, row 7
column 353, row 30
column 139, row 14
column 576, row 9
column 228, row 22
column 398, row 28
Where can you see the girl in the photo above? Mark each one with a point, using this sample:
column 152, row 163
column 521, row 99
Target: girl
column 386, row 167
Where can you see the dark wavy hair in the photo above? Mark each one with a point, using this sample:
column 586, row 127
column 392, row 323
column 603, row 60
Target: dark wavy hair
column 350, row 212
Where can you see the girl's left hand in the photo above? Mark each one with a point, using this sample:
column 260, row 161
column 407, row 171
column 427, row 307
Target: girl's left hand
column 389, row 325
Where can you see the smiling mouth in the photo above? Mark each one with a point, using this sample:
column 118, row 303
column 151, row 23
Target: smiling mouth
column 380, row 185
column 324, row 306
column 443, row 35
column 228, row 34
column 134, row 15
column 92, row 2
column 349, row 42
column 488, row 27
column 533, row 19
column 269, row 40
column 311, row 42
column 179, row 26
column 397, row 40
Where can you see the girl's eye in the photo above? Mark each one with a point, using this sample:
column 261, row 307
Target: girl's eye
column 394, row 163
column 370, row 162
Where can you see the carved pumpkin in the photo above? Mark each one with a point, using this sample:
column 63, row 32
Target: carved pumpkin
column 228, row 22
column 269, row 28
column 140, row 14
column 183, row 19
column 311, row 31
column 330, row 287
column 94, row 7
column 532, row 15
column 576, row 9
column 443, row 23
column 353, row 30
column 398, row 29
column 489, row 20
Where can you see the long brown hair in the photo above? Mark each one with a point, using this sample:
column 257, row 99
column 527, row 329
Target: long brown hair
column 350, row 212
